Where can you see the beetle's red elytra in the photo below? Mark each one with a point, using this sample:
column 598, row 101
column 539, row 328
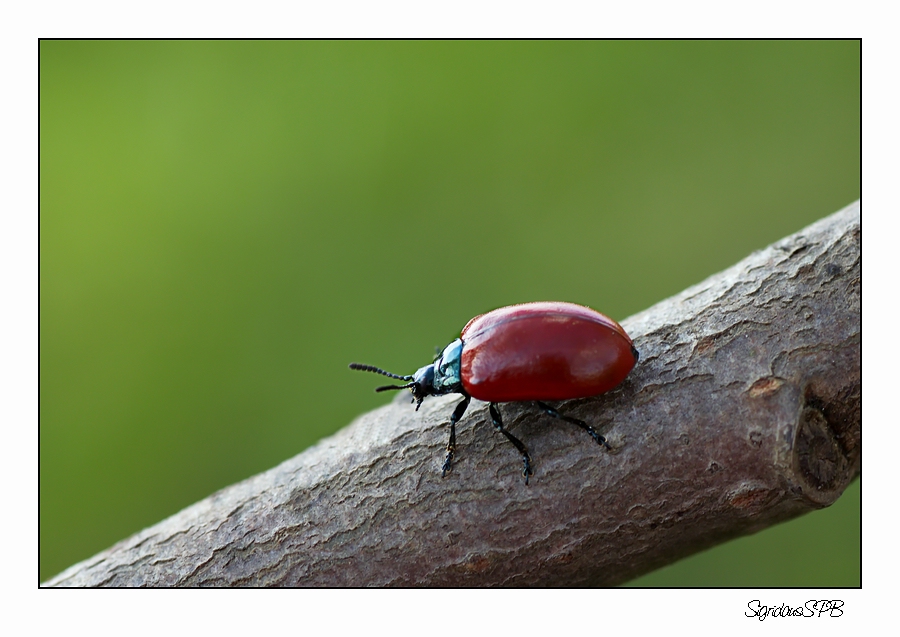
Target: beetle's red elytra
column 549, row 350
column 543, row 351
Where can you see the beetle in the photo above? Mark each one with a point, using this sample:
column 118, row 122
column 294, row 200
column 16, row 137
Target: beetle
column 541, row 351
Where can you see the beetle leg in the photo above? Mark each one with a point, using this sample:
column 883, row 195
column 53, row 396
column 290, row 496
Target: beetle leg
column 550, row 411
column 451, row 446
column 498, row 424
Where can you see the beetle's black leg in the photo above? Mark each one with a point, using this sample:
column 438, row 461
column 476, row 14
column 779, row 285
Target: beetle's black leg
column 552, row 412
column 498, row 424
column 451, row 446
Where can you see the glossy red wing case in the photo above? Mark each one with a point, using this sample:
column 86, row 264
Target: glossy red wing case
column 543, row 351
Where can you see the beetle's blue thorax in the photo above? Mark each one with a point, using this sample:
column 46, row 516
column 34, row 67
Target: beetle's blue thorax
column 447, row 378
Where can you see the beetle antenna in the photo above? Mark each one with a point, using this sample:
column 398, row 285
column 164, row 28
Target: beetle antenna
column 378, row 370
column 387, row 387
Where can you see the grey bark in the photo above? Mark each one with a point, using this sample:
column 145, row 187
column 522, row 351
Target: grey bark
column 743, row 411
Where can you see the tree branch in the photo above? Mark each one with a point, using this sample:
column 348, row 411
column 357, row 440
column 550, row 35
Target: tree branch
column 744, row 411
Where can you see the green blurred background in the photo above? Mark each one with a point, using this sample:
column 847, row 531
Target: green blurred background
column 225, row 225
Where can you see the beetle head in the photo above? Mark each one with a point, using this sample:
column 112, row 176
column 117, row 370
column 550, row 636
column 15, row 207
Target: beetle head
column 421, row 383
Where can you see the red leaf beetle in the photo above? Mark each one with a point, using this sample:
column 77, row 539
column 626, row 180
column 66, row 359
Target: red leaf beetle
column 534, row 351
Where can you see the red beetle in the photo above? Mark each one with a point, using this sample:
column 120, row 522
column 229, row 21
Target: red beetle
column 533, row 351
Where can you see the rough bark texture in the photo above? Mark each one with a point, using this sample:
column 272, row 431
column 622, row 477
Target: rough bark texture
column 743, row 411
